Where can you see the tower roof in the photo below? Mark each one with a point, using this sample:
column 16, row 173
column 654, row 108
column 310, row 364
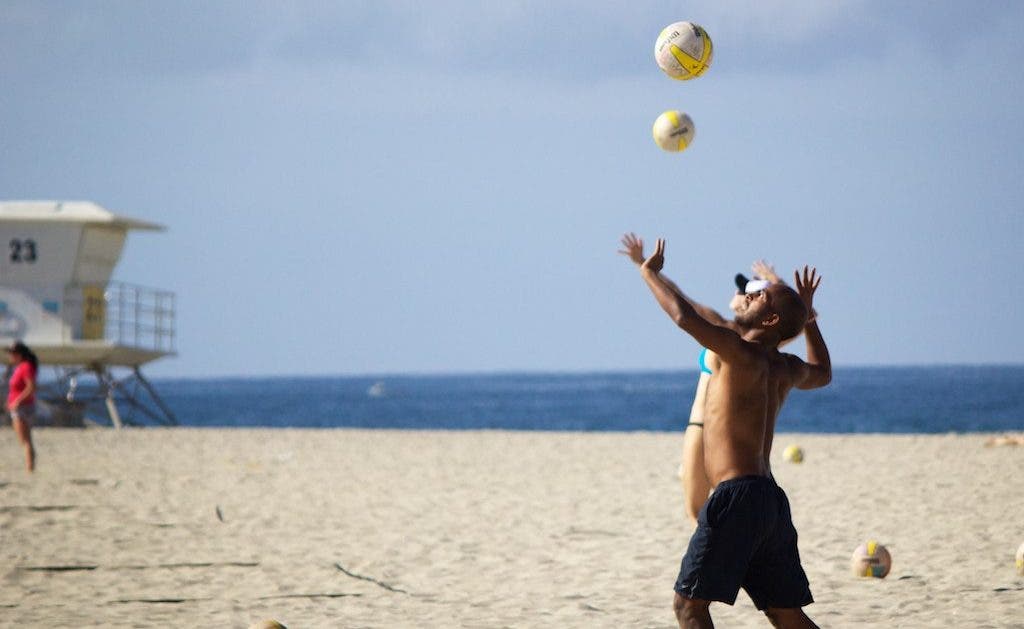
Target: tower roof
column 69, row 212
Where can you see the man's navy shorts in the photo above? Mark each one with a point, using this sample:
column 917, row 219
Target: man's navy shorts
column 745, row 538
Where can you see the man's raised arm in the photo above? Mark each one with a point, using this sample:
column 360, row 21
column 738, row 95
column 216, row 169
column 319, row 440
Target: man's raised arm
column 721, row 340
column 633, row 248
column 819, row 365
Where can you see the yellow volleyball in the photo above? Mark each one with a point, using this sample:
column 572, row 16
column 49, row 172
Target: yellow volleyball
column 793, row 454
column 673, row 130
column 871, row 559
column 683, row 50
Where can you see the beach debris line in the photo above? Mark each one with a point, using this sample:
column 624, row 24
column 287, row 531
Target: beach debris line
column 157, row 601
column 370, row 579
column 187, row 564
column 317, row 595
column 575, row 530
column 59, row 568
column 37, row 508
column 160, row 566
column 1005, row 440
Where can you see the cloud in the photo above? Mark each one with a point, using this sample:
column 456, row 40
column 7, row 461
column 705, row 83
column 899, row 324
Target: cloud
column 799, row 37
column 47, row 42
column 785, row 21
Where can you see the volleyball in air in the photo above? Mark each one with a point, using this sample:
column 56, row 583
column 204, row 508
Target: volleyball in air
column 871, row 559
column 673, row 130
column 1020, row 560
column 683, row 50
column 793, row 454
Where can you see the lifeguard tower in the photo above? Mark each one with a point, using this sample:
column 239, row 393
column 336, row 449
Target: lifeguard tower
column 56, row 295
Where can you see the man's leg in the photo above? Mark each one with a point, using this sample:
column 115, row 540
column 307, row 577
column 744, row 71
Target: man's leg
column 789, row 618
column 692, row 613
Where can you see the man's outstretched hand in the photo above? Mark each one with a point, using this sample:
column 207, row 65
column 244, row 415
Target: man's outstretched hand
column 805, row 286
column 633, row 248
column 657, row 259
column 765, row 271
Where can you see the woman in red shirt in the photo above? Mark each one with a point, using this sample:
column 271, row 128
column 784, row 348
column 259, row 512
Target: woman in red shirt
column 21, row 397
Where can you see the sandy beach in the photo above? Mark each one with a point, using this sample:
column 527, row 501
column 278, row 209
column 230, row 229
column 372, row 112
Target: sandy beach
column 354, row 528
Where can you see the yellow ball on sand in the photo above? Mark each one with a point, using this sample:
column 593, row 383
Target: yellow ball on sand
column 1020, row 560
column 267, row 624
column 871, row 559
column 793, row 454
column 673, row 131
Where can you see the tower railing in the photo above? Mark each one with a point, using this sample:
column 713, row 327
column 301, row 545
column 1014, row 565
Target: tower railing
column 123, row 314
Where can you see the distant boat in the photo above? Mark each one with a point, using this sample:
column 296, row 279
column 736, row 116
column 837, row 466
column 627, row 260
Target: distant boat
column 376, row 390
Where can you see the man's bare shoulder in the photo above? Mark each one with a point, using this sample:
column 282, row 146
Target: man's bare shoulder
column 791, row 358
column 789, row 366
column 792, row 361
column 747, row 352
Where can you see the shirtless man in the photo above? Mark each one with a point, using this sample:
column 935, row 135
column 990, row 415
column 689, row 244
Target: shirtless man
column 745, row 535
column 692, row 477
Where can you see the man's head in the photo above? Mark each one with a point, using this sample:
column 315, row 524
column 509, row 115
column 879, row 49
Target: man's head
column 777, row 308
column 738, row 304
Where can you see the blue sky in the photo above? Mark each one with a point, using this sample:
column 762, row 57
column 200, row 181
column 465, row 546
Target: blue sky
column 380, row 187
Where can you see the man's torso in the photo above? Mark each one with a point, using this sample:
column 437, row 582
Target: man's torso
column 742, row 404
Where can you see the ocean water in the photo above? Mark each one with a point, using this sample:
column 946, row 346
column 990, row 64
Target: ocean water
column 859, row 400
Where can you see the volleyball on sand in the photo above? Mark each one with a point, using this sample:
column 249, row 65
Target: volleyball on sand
column 871, row 559
column 683, row 50
column 793, row 454
column 1020, row 560
column 673, row 130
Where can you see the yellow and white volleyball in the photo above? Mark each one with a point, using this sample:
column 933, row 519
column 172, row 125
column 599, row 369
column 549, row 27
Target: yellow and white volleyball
column 673, row 130
column 683, row 50
column 1020, row 560
column 793, row 454
column 871, row 559
column 267, row 624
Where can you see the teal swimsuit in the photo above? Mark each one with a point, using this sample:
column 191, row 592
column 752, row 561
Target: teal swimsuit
column 702, row 361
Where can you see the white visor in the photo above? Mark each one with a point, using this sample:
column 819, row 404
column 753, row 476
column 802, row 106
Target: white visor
column 754, row 286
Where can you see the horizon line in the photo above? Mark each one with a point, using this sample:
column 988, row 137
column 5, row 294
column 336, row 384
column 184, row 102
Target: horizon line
column 371, row 375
